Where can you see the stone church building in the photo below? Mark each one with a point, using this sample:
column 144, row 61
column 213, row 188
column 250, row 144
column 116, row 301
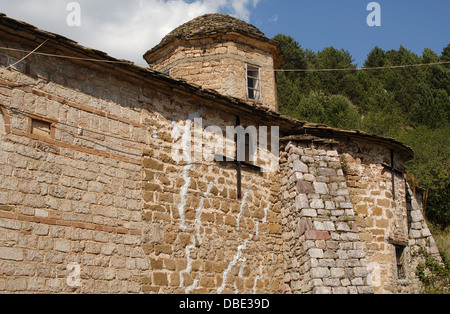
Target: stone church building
column 112, row 179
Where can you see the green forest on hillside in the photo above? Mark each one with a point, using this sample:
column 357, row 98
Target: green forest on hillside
column 410, row 104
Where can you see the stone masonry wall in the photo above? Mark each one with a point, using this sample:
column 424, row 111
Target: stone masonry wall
column 323, row 250
column 420, row 240
column 70, row 202
column 341, row 222
column 385, row 221
column 99, row 205
column 221, row 66
column 381, row 218
column 207, row 240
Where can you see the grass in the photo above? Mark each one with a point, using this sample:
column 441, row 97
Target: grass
column 442, row 238
column 434, row 275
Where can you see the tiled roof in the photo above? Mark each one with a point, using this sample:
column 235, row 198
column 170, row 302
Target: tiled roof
column 59, row 44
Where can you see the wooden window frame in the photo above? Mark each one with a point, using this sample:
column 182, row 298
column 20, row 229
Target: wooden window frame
column 257, row 92
column 51, row 122
column 400, row 262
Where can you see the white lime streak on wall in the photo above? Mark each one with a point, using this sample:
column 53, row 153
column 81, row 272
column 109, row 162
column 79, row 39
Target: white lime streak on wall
column 198, row 216
column 244, row 202
column 189, row 263
column 187, row 158
column 233, row 263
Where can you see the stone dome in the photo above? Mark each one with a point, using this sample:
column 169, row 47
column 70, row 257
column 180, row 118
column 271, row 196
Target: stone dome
column 210, row 25
column 222, row 53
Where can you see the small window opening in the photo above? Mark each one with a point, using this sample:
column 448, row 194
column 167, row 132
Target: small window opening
column 253, row 83
column 400, row 262
column 41, row 128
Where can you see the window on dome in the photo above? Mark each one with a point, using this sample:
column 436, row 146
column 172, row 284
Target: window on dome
column 253, row 83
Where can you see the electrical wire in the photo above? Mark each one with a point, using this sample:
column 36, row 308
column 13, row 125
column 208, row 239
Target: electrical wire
column 66, row 57
column 13, row 65
column 363, row 69
column 277, row 70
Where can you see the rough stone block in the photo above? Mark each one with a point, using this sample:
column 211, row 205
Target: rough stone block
column 316, row 253
column 153, row 233
column 415, row 234
column 304, row 187
column 300, row 166
column 329, row 226
column 330, row 205
column 320, row 272
column 17, row 284
column 301, row 202
column 304, row 225
column 322, row 290
column 416, row 216
column 317, row 204
column 338, row 273
column 317, row 235
column 11, row 254
column 360, row 271
column 309, row 177
column 62, row 245
column 326, row 172
column 274, row 229
column 160, row 279
column 332, row 282
column 365, row 290
column 307, row 212
column 339, row 290
column 307, row 159
column 321, row 188
column 346, row 205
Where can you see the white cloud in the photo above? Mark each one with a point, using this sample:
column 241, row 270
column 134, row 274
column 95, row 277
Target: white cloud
column 123, row 29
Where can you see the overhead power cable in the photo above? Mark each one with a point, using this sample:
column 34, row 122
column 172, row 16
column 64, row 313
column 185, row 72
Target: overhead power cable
column 278, row 70
column 363, row 69
column 29, row 54
column 63, row 56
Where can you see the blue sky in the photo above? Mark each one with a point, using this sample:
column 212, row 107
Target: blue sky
column 127, row 29
column 316, row 24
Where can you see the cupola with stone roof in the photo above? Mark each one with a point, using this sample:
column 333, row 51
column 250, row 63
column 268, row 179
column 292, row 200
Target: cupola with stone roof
column 222, row 53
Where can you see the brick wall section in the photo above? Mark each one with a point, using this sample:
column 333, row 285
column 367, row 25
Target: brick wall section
column 323, row 251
